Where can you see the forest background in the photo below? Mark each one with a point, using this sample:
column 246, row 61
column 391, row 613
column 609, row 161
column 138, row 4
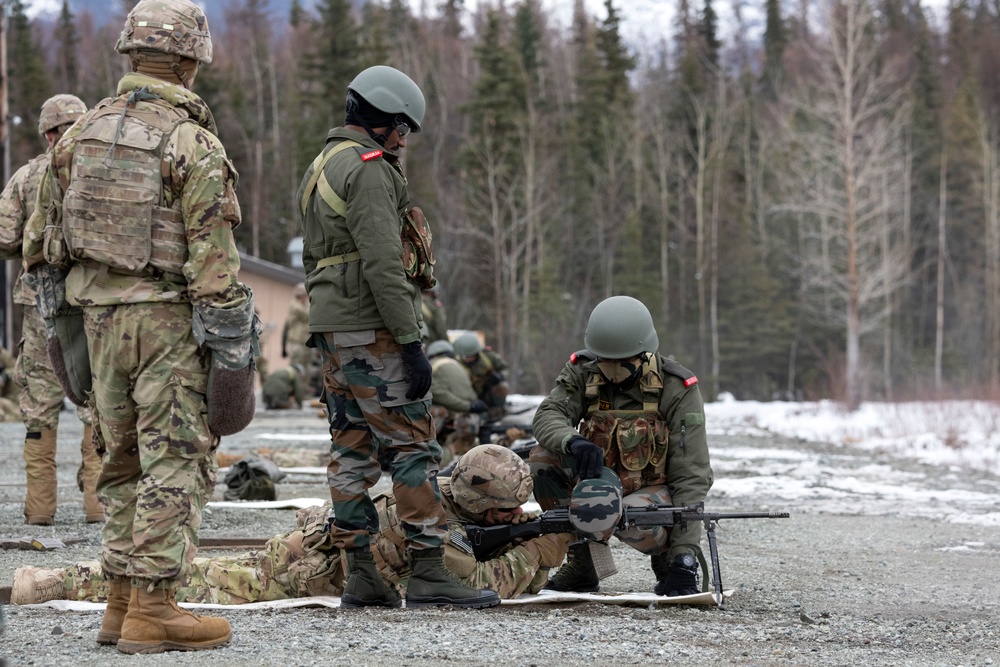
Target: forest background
column 812, row 212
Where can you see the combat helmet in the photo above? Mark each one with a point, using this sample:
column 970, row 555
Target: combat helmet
column 438, row 348
column 620, row 327
column 392, row 92
column 490, row 476
column 176, row 27
column 468, row 345
column 59, row 110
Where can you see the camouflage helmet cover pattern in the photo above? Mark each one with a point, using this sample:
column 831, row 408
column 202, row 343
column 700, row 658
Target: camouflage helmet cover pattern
column 390, row 91
column 440, row 347
column 490, row 476
column 467, row 345
column 59, row 110
column 620, row 327
column 596, row 506
column 177, row 27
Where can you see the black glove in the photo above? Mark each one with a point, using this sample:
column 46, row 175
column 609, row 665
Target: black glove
column 682, row 578
column 418, row 369
column 589, row 457
column 493, row 379
column 478, row 406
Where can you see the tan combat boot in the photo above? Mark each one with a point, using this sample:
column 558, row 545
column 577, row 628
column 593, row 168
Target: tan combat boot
column 90, row 470
column 40, row 470
column 114, row 614
column 154, row 624
column 35, row 585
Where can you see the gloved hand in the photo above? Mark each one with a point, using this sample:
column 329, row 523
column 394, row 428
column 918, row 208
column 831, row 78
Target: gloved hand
column 682, row 578
column 478, row 406
column 493, row 379
column 589, row 457
column 418, row 369
column 550, row 548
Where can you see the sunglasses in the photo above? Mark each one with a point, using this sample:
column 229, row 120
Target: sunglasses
column 401, row 126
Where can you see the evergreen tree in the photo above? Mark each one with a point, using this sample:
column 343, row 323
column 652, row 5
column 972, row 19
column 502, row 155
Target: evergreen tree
column 775, row 40
column 29, row 84
column 67, row 43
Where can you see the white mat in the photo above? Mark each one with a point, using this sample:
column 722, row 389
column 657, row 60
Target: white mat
column 290, row 503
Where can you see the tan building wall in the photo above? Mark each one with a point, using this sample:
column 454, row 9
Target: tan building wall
column 272, row 286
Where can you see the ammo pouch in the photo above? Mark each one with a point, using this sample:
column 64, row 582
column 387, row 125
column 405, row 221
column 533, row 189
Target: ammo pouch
column 418, row 257
column 66, row 340
column 252, row 478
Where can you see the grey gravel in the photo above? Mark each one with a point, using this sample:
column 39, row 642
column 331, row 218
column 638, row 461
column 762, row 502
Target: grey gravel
column 840, row 583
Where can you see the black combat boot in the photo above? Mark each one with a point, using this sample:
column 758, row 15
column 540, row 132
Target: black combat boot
column 365, row 587
column 680, row 577
column 433, row 585
column 577, row 575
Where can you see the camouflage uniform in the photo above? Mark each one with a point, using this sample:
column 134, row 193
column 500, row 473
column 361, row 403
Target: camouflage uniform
column 296, row 334
column 150, row 375
column 488, row 372
column 303, row 562
column 652, row 434
column 360, row 319
column 283, row 389
column 452, row 393
column 9, row 388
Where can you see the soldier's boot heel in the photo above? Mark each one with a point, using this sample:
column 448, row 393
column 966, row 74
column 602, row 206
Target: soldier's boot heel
column 154, row 624
column 433, row 585
column 114, row 614
column 577, row 575
column 365, row 587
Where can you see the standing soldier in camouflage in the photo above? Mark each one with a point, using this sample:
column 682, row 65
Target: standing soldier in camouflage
column 487, row 369
column 295, row 333
column 139, row 226
column 367, row 256
column 489, row 485
column 42, row 398
column 640, row 414
column 456, row 408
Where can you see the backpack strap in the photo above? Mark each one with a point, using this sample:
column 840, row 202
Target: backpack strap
column 318, row 180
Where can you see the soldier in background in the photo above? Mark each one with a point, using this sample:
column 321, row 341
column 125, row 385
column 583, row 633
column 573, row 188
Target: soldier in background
column 170, row 330
column 456, row 408
column 9, row 390
column 42, row 399
column 283, row 389
column 364, row 292
column 640, row 414
column 295, row 333
column 488, row 486
column 435, row 319
column 488, row 371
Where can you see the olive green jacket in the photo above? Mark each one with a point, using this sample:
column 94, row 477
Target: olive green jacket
column 688, row 468
column 451, row 387
column 370, row 292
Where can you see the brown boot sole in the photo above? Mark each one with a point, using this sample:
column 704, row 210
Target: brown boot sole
column 145, row 648
column 108, row 637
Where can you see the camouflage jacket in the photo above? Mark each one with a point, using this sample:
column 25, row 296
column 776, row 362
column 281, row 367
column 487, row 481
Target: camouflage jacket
column 296, row 329
column 451, row 387
column 17, row 203
column 195, row 172
column 486, row 363
column 688, row 468
column 370, row 289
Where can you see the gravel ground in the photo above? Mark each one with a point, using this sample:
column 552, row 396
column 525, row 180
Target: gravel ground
column 863, row 583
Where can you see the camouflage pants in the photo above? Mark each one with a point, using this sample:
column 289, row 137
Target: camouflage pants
column 150, row 381
column 365, row 391
column 555, row 476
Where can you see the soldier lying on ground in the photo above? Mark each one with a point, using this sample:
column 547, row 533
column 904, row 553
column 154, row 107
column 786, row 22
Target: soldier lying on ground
column 488, row 486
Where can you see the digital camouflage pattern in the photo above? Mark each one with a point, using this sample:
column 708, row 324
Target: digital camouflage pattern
column 177, row 27
column 17, row 203
column 60, row 110
column 595, row 506
column 304, row 562
column 365, row 387
column 150, row 375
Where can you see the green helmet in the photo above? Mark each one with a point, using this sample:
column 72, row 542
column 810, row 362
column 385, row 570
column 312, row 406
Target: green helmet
column 390, row 91
column 438, row 348
column 59, row 110
column 490, row 476
column 177, row 27
column 467, row 345
column 620, row 327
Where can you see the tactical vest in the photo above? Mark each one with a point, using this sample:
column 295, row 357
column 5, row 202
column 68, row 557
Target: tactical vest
column 634, row 441
column 113, row 213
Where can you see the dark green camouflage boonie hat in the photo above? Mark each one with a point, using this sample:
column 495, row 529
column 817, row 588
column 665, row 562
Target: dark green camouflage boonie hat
column 177, row 27
column 596, row 506
column 59, row 110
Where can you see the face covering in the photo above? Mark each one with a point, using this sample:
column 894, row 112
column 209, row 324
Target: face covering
column 620, row 371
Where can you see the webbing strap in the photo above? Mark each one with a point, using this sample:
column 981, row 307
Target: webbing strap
column 318, row 181
column 339, row 259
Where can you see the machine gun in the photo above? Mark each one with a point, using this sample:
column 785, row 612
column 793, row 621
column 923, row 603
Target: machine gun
column 597, row 521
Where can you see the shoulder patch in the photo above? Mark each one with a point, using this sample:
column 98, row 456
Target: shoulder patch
column 673, row 368
column 581, row 356
column 368, row 154
column 459, row 540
